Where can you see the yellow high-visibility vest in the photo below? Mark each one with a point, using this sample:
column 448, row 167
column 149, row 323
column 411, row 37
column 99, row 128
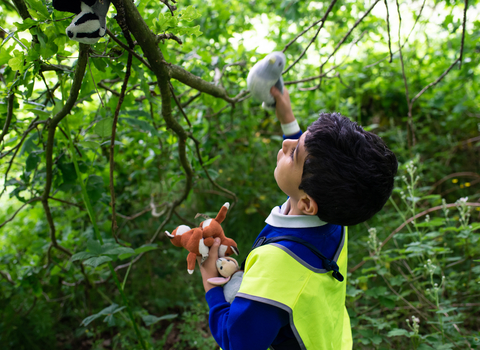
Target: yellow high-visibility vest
column 314, row 300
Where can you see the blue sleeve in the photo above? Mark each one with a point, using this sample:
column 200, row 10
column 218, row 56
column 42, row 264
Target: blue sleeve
column 244, row 324
column 294, row 136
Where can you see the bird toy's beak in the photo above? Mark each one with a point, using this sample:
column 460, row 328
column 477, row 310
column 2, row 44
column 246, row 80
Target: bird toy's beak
column 272, row 60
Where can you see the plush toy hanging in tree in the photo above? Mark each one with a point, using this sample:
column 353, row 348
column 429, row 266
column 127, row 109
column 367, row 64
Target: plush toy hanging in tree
column 90, row 22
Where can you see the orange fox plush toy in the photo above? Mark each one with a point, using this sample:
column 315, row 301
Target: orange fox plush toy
column 198, row 240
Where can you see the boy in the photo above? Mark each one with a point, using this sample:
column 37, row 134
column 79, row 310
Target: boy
column 335, row 175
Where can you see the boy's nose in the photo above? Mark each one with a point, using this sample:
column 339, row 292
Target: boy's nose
column 287, row 145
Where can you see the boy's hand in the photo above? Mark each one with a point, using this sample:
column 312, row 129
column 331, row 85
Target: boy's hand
column 209, row 267
column 283, row 108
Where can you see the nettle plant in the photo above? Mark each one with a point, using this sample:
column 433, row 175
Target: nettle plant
column 433, row 253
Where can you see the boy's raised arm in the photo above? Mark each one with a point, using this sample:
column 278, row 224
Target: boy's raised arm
column 283, row 110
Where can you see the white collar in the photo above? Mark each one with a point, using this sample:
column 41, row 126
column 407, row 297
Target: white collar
column 278, row 218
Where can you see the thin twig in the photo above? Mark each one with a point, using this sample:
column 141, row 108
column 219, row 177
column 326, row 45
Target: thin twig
column 10, row 99
column 409, row 103
column 119, row 42
column 314, row 37
column 460, row 174
column 121, row 21
column 463, row 33
column 399, row 228
column 340, row 43
column 162, row 38
column 388, row 31
column 199, row 157
column 69, row 203
column 94, row 84
column 191, row 99
column 36, row 199
column 406, row 40
column 7, row 276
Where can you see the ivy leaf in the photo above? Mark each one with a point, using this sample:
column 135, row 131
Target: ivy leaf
column 150, row 319
column 97, row 261
column 81, row 256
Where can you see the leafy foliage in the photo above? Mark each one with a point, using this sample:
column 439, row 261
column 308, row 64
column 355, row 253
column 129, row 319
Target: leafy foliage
column 414, row 267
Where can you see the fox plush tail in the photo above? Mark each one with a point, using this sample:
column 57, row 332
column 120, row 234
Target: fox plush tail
column 222, row 213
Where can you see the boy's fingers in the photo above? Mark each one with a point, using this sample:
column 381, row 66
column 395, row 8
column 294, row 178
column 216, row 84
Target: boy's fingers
column 274, row 91
column 213, row 253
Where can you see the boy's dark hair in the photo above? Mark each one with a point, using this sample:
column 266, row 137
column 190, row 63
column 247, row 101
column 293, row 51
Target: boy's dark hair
column 349, row 172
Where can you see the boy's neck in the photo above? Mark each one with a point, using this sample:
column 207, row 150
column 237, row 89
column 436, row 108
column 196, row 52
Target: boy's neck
column 292, row 208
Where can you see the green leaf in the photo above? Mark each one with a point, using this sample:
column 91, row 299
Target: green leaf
column 398, row 332
column 119, row 250
column 81, row 256
column 150, row 319
column 97, row 261
column 94, row 246
column 4, row 57
column 69, row 174
column 432, row 223
column 104, row 127
column 189, row 14
column 211, row 160
column 27, row 24
column 446, row 310
column 141, row 124
column 387, row 302
column 32, row 161
column 39, row 8
column 188, row 31
column 146, row 247
column 90, row 144
column 95, row 187
column 17, row 62
column 110, row 310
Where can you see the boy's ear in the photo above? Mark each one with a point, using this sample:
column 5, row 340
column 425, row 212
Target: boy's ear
column 307, row 205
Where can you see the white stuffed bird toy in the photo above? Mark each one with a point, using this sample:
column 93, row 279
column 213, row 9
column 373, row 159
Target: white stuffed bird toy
column 265, row 74
column 90, row 22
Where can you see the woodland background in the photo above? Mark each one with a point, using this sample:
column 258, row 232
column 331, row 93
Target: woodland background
column 104, row 147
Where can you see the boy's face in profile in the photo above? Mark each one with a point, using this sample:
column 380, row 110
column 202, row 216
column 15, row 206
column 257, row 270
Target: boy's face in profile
column 289, row 170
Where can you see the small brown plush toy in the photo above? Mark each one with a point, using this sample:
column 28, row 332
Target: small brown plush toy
column 198, row 240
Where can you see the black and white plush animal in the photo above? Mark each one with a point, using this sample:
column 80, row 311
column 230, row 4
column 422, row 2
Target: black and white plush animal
column 90, row 22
